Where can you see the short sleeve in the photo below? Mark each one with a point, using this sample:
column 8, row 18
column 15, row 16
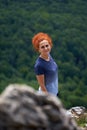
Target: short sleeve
column 38, row 70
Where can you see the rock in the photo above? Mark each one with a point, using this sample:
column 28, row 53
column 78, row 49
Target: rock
column 22, row 108
column 79, row 114
column 76, row 111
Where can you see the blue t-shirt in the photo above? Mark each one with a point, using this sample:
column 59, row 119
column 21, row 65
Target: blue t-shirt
column 50, row 71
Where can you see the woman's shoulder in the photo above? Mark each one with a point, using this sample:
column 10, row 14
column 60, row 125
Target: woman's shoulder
column 40, row 62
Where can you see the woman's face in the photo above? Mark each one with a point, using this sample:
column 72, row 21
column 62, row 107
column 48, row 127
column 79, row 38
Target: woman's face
column 44, row 47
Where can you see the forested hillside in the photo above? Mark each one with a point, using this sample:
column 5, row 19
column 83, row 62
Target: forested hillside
column 66, row 22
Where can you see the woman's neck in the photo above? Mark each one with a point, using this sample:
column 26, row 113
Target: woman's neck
column 45, row 57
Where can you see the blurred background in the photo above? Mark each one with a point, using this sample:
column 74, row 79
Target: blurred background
column 66, row 22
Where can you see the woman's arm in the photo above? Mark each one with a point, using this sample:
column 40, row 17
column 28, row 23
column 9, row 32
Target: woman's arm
column 41, row 81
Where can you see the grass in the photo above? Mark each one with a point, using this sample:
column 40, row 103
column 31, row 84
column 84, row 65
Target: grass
column 82, row 120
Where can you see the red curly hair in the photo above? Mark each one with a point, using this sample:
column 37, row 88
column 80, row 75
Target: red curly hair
column 40, row 37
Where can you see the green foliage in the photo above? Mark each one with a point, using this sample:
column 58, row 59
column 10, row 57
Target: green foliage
column 66, row 22
column 82, row 120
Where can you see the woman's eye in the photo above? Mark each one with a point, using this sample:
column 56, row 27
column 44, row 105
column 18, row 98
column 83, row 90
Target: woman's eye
column 42, row 46
column 46, row 45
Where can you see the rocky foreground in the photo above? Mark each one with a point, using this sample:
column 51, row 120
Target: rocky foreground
column 22, row 108
column 79, row 114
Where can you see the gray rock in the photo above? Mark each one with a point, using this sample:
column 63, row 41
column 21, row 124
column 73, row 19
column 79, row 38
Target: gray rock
column 79, row 113
column 76, row 111
column 22, row 108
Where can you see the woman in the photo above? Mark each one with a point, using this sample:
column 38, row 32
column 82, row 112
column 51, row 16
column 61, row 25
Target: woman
column 45, row 67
